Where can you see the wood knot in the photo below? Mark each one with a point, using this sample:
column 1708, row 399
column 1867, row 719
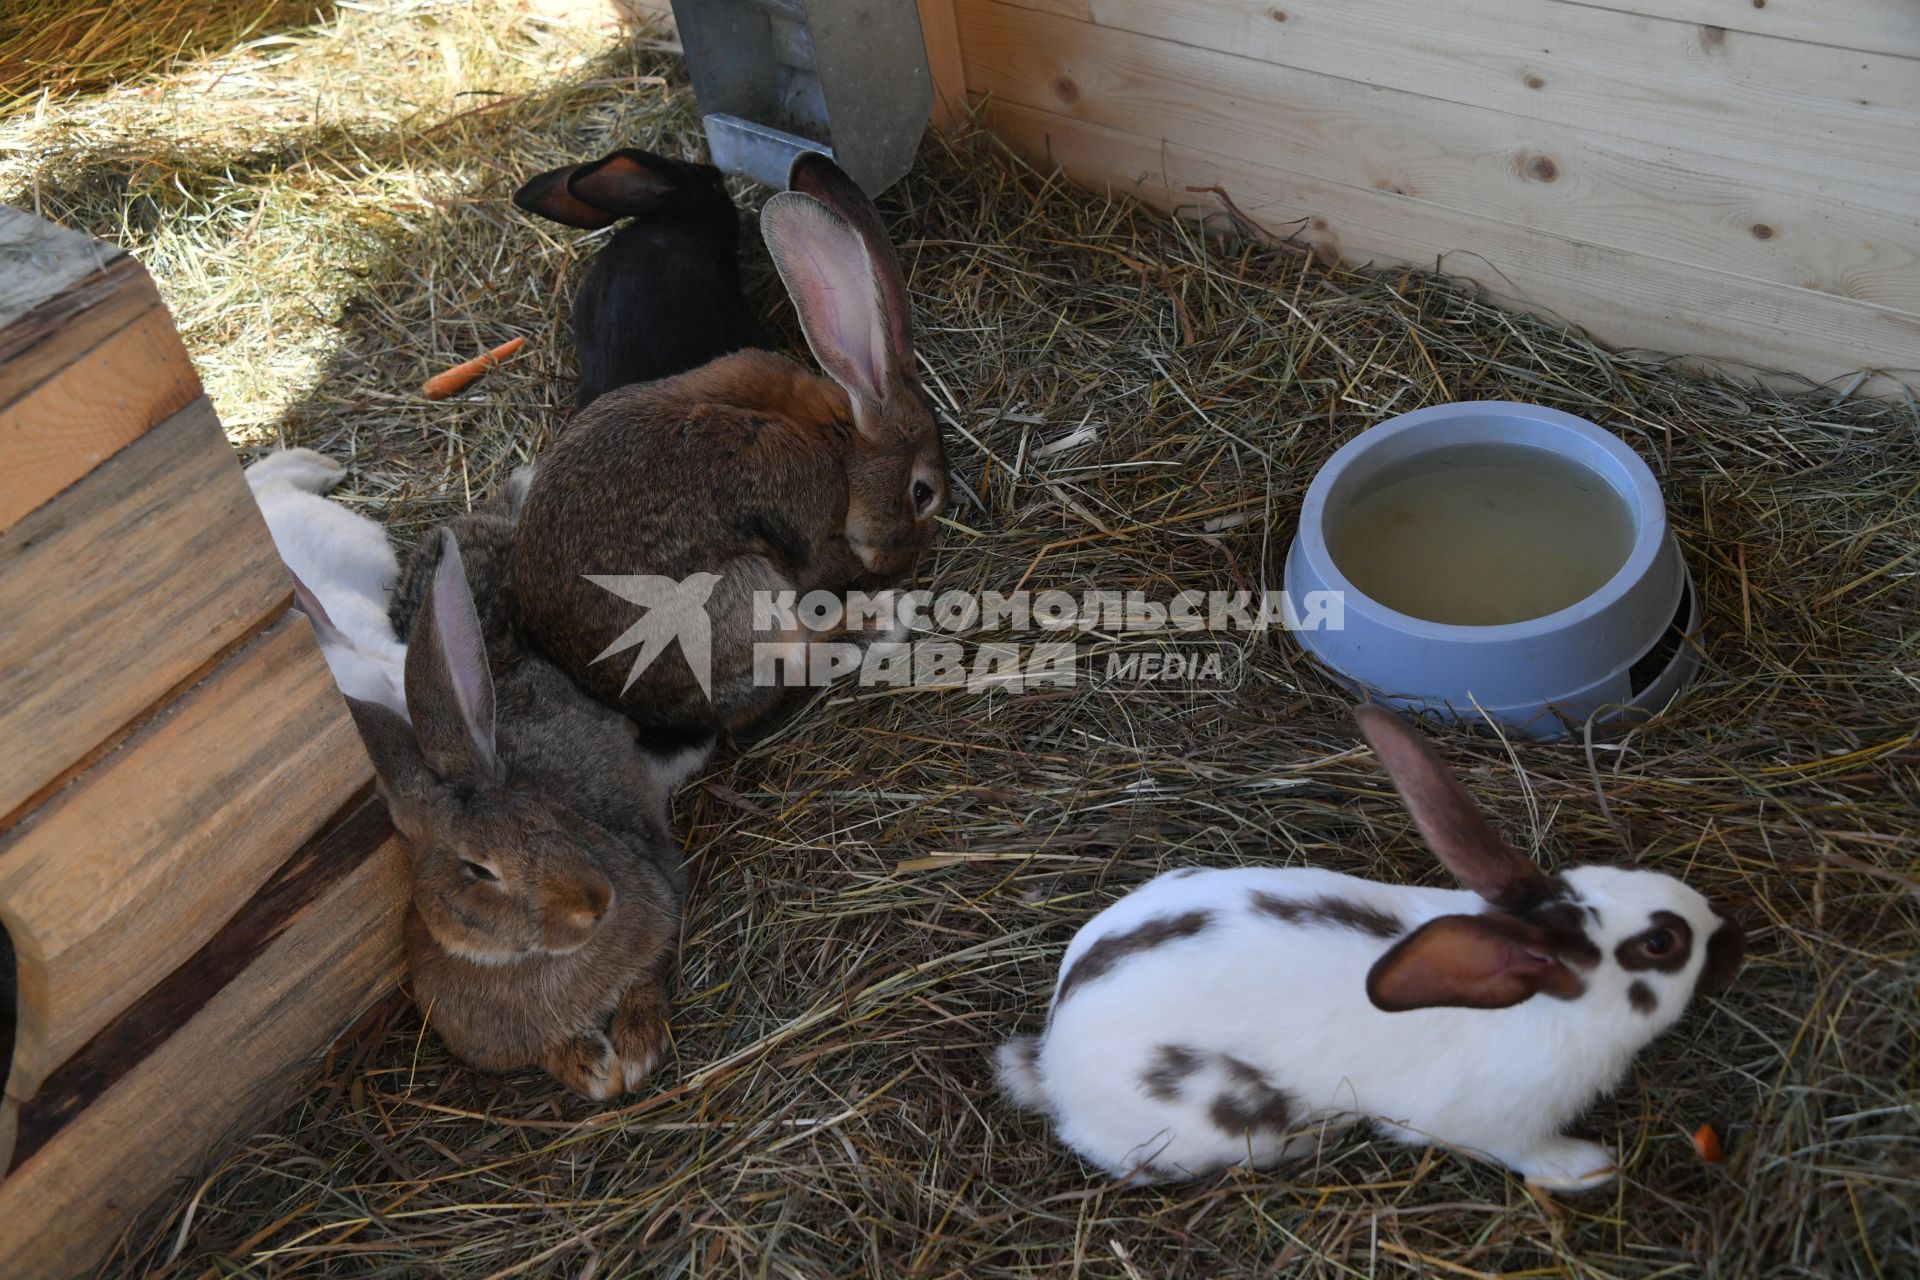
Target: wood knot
column 1759, row 4
column 1536, row 82
column 1544, row 169
column 1761, row 231
column 1712, row 37
column 1319, row 224
column 1278, row 15
column 1066, row 90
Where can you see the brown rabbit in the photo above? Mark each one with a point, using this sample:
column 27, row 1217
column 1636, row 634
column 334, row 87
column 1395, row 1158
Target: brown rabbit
column 749, row 474
column 546, row 884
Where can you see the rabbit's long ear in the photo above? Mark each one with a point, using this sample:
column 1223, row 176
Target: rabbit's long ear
column 1726, row 951
column 511, row 497
column 830, row 276
column 547, row 195
column 1487, row 961
column 815, row 175
column 625, row 184
column 403, row 771
column 309, row 604
column 1448, row 820
column 449, row 689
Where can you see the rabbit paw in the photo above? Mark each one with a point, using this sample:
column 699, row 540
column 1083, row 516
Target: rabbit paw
column 639, row 1037
column 588, row 1065
column 1567, row 1164
column 302, row 469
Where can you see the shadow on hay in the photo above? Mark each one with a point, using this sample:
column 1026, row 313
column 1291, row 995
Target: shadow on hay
column 441, row 269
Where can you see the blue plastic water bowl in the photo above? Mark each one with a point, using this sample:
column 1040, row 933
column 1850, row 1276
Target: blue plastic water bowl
column 1613, row 657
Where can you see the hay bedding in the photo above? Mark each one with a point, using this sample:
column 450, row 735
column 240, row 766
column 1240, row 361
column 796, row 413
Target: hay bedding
column 886, row 885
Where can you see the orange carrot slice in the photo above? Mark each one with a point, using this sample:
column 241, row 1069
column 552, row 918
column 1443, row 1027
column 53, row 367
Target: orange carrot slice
column 465, row 374
column 1707, row 1143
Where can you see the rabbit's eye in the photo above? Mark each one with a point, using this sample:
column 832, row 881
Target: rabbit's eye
column 478, row 871
column 1666, row 944
column 922, row 495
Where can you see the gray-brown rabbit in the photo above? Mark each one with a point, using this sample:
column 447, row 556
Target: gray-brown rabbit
column 547, row 886
column 485, row 536
column 750, row 474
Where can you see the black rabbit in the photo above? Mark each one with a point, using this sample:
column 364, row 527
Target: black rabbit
column 664, row 295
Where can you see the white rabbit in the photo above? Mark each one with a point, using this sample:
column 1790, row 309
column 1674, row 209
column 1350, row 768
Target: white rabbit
column 1224, row 1017
column 343, row 572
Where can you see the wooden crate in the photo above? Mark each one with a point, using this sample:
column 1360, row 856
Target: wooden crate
column 193, row 870
column 1728, row 179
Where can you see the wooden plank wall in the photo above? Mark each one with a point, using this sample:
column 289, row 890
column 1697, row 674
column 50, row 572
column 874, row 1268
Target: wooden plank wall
column 1732, row 179
column 192, row 869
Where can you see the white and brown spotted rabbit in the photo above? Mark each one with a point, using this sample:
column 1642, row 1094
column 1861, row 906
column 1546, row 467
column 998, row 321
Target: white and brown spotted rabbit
column 547, row 886
column 1225, row 1017
column 748, row 475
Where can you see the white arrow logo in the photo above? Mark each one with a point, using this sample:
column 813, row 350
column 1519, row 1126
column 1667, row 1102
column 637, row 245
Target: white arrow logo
column 675, row 610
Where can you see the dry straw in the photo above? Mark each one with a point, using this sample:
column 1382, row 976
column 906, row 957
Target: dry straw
column 50, row 49
column 884, row 889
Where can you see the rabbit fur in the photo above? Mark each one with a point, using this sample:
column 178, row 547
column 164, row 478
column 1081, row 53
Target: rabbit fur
column 547, row 884
column 1227, row 1017
column 748, row 475
column 343, row 571
column 663, row 295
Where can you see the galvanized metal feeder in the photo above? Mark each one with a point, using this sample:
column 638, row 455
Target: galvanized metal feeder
column 777, row 78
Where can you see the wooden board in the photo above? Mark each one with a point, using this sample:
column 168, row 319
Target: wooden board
column 107, row 887
column 1844, row 119
column 1622, row 298
column 114, row 595
column 184, row 932
column 39, row 261
column 134, row 379
column 1875, row 26
column 41, row 342
column 89, row 359
column 942, row 36
column 1589, row 185
column 209, row 1055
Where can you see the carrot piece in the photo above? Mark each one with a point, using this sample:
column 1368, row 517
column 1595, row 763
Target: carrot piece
column 1707, row 1143
column 465, row 374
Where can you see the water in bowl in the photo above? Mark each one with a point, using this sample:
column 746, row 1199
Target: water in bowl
column 1479, row 535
